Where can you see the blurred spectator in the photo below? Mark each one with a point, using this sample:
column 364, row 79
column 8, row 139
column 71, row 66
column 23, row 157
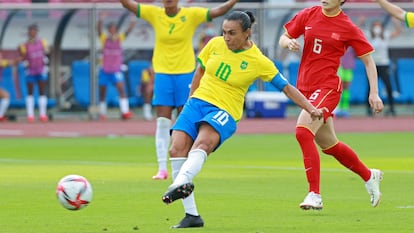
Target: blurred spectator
column 206, row 34
column 379, row 39
column 110, row 72
column 33, row 52
column 147, row 87
column 4, row 94
column 346, row 73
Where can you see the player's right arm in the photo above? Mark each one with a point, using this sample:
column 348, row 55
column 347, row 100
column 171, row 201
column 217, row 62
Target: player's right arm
column 21, row 53
column 130, row 5
column 100, row 23
column 286, row 41
column 196, row 79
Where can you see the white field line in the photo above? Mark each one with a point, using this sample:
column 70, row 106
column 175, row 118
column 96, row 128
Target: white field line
column 64, row 134
column 11, row 132
column 247, row 167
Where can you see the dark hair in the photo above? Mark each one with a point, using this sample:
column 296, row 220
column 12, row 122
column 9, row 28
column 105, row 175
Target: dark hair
column 342, row 3
column 372, row 29
column 246, row 18
column 33, row 26
column 111, row 24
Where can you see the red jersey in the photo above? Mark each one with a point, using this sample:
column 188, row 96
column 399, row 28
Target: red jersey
column 326, row 39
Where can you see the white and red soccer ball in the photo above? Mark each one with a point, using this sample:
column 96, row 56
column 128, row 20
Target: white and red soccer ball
column 74, row 192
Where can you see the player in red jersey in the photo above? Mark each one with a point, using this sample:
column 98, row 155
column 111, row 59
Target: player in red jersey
column 327, row 33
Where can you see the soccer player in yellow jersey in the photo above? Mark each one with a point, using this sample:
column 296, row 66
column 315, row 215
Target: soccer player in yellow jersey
column 173, row 61
column 398, row 12
column 228, row 65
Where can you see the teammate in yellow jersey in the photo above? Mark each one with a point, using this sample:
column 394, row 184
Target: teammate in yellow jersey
column 228, row 65
column 173, row 61
column 398, row 12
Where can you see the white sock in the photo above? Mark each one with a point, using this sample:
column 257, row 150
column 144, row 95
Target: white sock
column 4, row 105
column 191, row 167
column 42, row 105
column 30, row 106
column 162, row 141
column 147, row 109
column 189, row 204
column 102, row 108
column 124, row 105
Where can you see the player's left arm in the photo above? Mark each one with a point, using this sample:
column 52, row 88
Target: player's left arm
column 371, row 70
column 222, row 9
column 46, row 46
column 281, row 83
column 299, row 99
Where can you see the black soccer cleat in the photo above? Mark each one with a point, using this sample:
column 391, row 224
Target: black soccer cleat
column 177, row 192
column 190, row 221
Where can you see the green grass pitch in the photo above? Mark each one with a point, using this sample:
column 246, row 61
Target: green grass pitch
column 252, row 184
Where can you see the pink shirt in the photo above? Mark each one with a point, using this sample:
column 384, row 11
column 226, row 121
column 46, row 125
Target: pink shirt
column 34, row 53
column 112, row 53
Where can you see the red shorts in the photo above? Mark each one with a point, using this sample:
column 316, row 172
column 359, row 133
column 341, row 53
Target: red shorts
column 320, row 98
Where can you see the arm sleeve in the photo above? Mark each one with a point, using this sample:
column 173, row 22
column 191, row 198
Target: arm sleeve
column 22, row 50
column 295, row 27
column 202, row 14
column 3, row 63
column 360, row 43
column 147, row 12
column 205, row 53
column 44, row 43
column 409, row 19
column 279, row 81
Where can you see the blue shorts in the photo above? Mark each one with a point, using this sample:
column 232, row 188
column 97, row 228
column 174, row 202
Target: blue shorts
column 197, row 111
column 35, row 78
column 171, row 89
column 110, row 78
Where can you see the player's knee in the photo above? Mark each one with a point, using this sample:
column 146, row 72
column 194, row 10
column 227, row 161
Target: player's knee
column 173, row 152
column 205, row 147
column 176, row 151
column 303, row 134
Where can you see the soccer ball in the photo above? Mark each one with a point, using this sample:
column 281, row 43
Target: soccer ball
column 74, row 192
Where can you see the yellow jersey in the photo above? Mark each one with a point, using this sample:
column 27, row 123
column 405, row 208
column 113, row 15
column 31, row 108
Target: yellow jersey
column 409, row 19
column 103, row 37
column 228, row 75
column 146, row 76
column 23, row 49
column 173, row 49
column 3, row 63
